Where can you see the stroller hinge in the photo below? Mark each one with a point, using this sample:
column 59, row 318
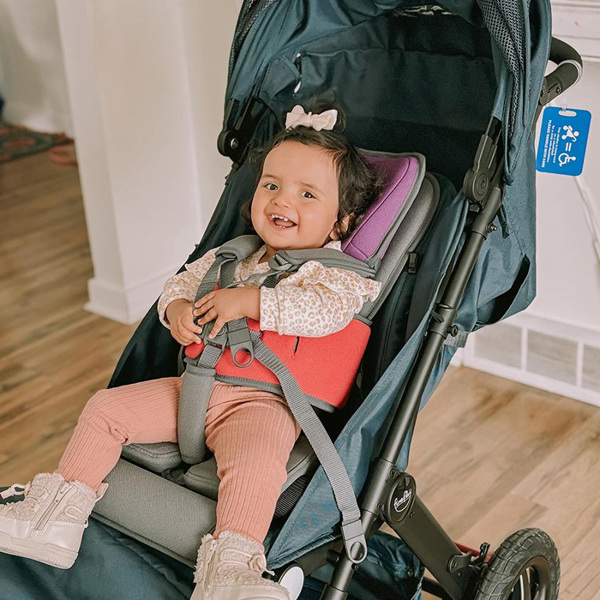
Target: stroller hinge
column 234, row 141
column 442, row 319
column 486, row 164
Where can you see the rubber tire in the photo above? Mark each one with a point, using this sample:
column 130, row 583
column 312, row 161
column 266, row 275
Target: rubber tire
column 526, row 547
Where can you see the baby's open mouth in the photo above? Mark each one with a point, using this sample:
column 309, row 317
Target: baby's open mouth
column 281, row 221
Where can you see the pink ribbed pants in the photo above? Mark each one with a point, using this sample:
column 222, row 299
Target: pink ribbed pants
column 250, row 432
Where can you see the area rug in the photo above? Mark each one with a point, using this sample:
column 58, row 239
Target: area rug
column 16, row 141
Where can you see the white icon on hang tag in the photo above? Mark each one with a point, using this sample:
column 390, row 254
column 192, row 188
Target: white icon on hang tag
column 564, row 158
column 570, row 134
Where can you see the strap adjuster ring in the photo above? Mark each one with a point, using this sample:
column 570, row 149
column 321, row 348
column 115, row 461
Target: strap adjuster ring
column 355, row 542
column 238, row 339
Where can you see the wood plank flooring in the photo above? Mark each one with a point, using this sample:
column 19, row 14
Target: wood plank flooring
column 490, row 456
column 53, row 354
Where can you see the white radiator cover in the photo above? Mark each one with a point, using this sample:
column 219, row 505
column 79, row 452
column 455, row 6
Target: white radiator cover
column 558, row 357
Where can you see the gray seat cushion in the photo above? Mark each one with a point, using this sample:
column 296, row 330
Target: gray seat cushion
column 202, row 478
column 157, row 458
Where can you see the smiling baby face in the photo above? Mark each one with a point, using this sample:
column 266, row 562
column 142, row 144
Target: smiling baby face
column 295, row 205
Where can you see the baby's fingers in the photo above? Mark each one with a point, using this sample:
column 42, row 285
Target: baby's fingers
column 192, row 325
column 180, row 339
column 188, row 334
column 204, row 304
column 219, row 324
column 211, row 315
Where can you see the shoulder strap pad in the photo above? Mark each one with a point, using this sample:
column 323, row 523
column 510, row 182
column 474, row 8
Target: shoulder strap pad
column 240, row 247
column 227, row 258
column 292, row 260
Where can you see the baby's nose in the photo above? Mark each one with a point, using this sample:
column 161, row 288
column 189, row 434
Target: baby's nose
column 282, row 199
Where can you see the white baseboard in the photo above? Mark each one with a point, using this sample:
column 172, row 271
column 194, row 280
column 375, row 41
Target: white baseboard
column 46, row 121
column 458, row 359
column 125, row 305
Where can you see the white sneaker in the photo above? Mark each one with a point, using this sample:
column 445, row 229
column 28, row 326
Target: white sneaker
column 47, row 525
column 231, row 568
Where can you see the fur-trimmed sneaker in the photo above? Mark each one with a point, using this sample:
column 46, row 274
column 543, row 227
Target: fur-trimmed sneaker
column 47, row 525
column 231, row 568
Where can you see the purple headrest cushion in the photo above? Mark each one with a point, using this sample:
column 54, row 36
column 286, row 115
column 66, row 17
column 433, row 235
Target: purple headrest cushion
column 399, row 174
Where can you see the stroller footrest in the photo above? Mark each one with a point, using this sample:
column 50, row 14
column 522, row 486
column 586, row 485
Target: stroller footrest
column 156, row 512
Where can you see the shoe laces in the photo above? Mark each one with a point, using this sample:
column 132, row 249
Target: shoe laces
column 29, row 502
column 17, row 489
column 258, row 562
column 232, row 557
column 240, row 558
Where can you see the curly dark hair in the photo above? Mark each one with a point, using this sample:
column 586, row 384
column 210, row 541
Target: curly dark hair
column 359, row 183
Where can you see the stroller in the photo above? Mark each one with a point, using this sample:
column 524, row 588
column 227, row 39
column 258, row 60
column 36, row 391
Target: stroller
column 461, row 83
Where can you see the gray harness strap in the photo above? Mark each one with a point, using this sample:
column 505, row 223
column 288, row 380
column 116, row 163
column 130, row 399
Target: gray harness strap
column 292, row 260
column 351, row 527
column 196, row 388
column 227, row 258
column 211, row 278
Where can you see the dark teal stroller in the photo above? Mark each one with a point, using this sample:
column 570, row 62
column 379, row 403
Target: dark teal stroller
column 460, row 82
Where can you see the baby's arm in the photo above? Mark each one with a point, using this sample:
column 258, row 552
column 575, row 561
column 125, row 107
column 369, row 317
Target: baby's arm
column 176, row 301
column 315, row 301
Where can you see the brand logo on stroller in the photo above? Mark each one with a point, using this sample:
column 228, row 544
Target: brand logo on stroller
column 401, row 504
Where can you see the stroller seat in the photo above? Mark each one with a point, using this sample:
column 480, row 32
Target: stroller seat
column 178, row 499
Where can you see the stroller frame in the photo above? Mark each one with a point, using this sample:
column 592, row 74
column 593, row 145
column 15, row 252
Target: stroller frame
column 390, row 495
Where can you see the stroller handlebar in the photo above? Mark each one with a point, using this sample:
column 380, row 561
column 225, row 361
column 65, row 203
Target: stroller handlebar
column 569, row 69
column 567, row 73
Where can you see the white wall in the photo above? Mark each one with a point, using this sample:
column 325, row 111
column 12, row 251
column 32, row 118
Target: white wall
column 568, row 265
column 146, row 81
column 32, row 75
column 208, row 34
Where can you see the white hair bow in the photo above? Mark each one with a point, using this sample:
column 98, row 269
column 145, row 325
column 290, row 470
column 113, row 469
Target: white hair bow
column 324, row 120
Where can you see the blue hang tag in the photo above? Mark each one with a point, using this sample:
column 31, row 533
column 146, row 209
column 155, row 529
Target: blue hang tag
column 563, row 138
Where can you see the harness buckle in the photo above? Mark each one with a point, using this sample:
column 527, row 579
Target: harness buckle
column 354, row 540
column 220, row 340
column 279, row 262
column 239, row 340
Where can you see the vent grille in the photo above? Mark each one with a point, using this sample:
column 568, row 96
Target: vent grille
column 560, row 358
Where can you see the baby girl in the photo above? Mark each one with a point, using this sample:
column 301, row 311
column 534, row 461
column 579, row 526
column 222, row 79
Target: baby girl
column 313, row 189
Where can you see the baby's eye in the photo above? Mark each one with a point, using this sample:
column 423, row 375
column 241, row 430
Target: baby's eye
column 307, row 195
column 271, row 186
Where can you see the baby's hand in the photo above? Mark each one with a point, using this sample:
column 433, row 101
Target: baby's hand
column 227, row 305
column 181, row 320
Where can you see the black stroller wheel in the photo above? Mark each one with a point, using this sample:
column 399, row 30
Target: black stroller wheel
column 525, row 567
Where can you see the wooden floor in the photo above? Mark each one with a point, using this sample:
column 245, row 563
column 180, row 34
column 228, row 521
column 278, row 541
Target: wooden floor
column 490, row 456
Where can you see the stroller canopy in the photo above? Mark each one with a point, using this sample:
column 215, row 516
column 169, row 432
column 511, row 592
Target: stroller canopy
column 273, row 37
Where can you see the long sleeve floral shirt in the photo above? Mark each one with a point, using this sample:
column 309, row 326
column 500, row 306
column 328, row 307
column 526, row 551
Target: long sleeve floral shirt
column 313, row 302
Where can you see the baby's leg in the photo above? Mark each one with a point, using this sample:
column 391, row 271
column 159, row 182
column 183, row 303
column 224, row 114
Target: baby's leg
column 48, row 524
column 251, row 433
column 143, row 413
